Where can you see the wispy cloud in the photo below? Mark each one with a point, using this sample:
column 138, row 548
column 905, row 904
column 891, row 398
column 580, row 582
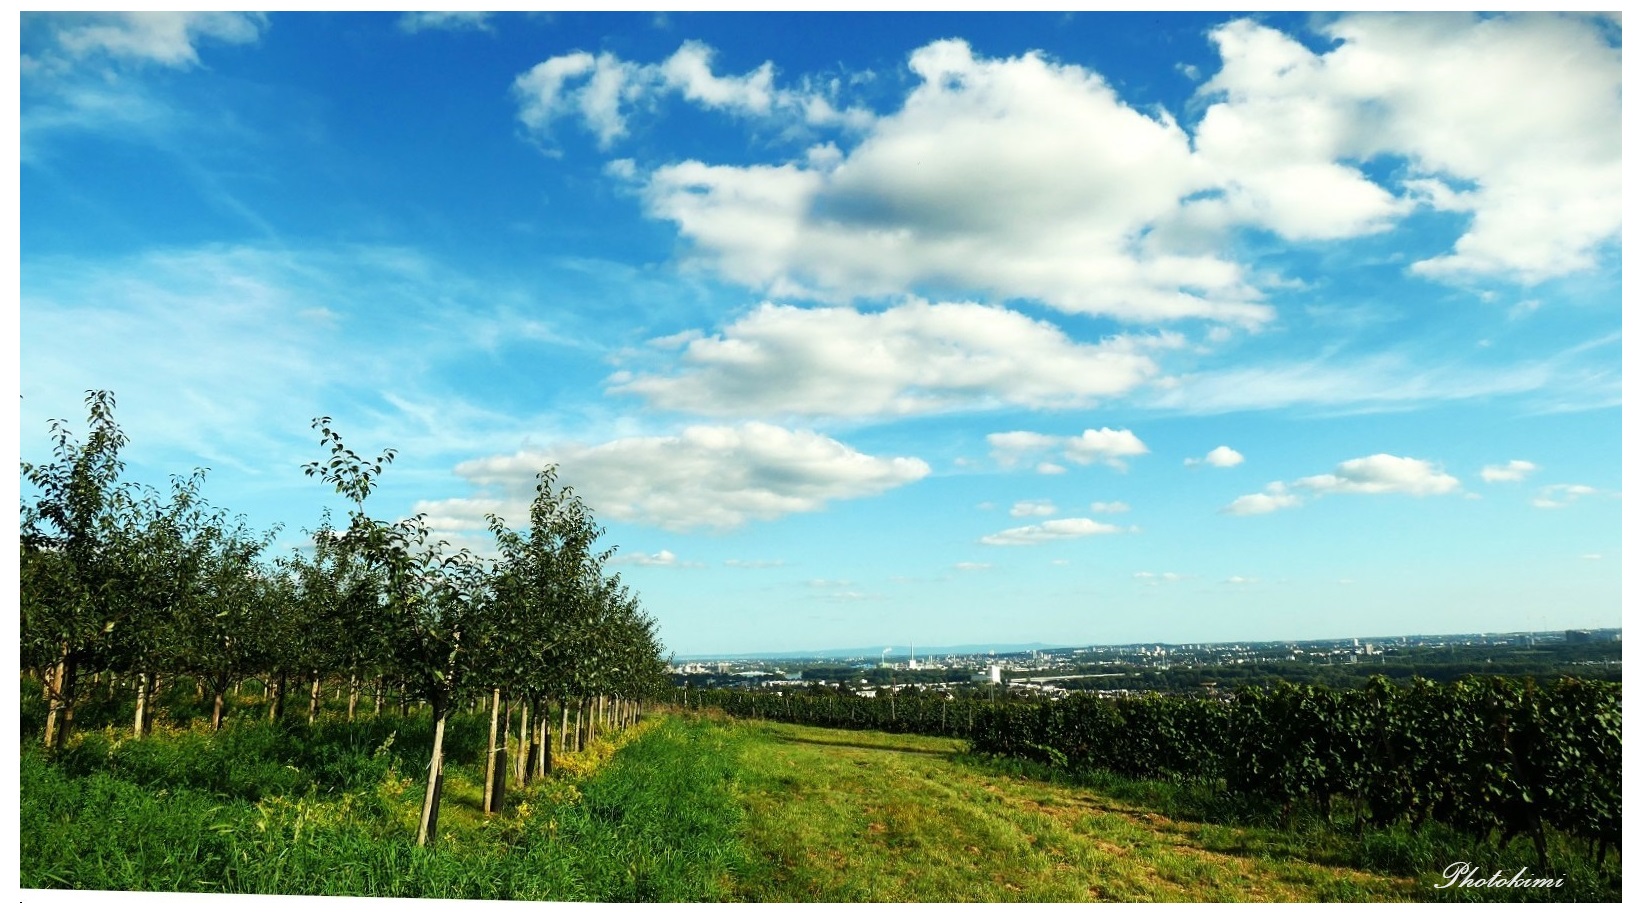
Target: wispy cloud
column 1049, row 531
column 1557, row 496
column 445, row 21
column 1514, row 470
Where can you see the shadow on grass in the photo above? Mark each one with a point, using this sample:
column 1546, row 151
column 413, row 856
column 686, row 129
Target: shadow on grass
column 895, row 749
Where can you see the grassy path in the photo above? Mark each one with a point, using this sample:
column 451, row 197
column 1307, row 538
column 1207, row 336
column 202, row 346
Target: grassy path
column 870, row 817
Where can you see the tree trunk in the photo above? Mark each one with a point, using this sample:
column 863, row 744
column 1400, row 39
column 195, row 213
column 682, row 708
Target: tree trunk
column 525, row 748
column 489, row 767
column 500, row 763
column 140, row 723
column 380, row 691
column 312, row 704
column 562, row 730
column 352, row 696
column 542, row 742
column 434, row 781
column 216, row 710
column 56, row 720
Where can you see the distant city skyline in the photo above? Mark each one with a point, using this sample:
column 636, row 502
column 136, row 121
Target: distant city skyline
column 1186, row 327
column 999, row 649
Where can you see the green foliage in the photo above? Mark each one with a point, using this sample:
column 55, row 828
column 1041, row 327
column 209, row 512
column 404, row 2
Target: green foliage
column 119, row 580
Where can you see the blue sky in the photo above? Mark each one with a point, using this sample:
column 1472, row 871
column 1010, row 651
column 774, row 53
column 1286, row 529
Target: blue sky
column 863, row 329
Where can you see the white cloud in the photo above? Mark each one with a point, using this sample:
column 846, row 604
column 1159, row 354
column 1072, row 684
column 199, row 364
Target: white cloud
column 1033, row 508
column 915, row 358
column 1150, row 578
column 1275, row 498
column 542, row 96
column 604, row 89
column 1115, row 506
column 1382, row 474
column 1008, row 447
column 913, row 204
column 1241, row 581
column 1513, row 120
column 1515, row 470
column 706, row 476
column 966, row 566
column 1555, row 496
column 1050, row 468
column 1105, row 445
column 663, row 558
column 1050, row 530
column 1396, row 380
column 444, row 21
column 167, row 39
column 1379, row 474
column 1222, row 457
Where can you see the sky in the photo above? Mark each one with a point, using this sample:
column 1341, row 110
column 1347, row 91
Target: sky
column 862, row 329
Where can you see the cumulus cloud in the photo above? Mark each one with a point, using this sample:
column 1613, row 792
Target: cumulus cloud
column 915, row 358
column 1379, row 474
column 1084, row 175
column 1382, row 474
column 1512, row 121
column 1222, row 457
column 966, row 566
column 1049, row 531
column 1102, row 445
column 1241, row 581
column 1515, row 470
column 1114, row 506
column 706, row 476
column 604, row 89
column 1033, row 508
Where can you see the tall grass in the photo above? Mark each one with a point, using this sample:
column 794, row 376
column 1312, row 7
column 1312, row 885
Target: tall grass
column 329, row 811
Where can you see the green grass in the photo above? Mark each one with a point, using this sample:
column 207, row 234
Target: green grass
column 656, row 821
column 869, row 817
column 689, row 808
